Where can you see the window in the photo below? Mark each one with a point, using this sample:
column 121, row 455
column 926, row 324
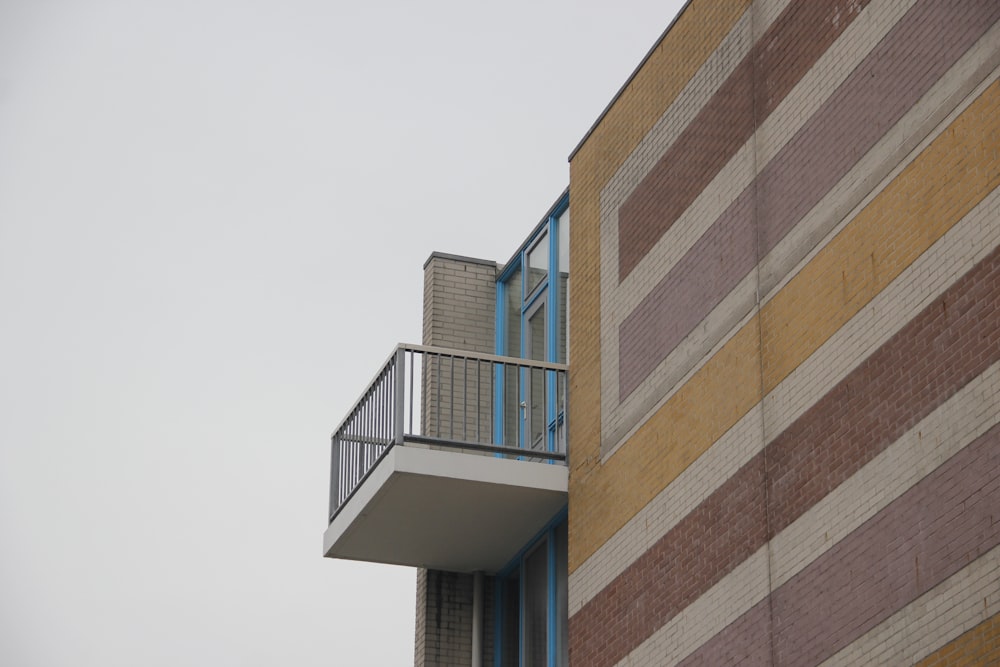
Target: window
column 532, row 603
column 532, row 311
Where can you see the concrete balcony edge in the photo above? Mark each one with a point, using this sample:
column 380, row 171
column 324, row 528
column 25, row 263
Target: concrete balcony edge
column 446, row 510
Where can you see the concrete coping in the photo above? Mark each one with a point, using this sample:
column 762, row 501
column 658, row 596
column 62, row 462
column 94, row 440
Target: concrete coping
column 460, row 258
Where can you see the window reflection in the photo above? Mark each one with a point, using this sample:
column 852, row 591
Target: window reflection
column 538, row 263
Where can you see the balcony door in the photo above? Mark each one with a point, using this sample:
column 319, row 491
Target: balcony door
column 533, row 389
column 532, row 610
column 532, row 295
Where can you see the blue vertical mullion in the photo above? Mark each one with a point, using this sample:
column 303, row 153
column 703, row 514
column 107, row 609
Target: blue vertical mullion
column 500, row 338
column 521, row 393
column 522, row 586
column 551, row 331
column 551, row 606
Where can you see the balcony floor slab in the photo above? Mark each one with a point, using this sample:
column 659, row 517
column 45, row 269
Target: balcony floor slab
column 446, row 510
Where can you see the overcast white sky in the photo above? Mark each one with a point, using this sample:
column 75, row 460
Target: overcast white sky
column 213, row 218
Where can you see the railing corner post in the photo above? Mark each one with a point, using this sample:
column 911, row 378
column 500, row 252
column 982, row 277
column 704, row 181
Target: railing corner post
column 400, row 398
column 334, row 475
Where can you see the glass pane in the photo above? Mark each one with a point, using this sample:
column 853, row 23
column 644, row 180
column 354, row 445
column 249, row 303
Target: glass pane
column 536, row 333
column 536, row 420
column 562, row 598
column 512, row 326
column 536, row 596
column 538, row 263
column 512, row 413
column 512, row 348
column 563, row 227
column 536, row 379
column 563, row 288
column 510, row 621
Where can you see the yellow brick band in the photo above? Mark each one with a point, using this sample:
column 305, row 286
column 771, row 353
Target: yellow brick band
column 697, row 33
column 978, row 646
column 870, row 252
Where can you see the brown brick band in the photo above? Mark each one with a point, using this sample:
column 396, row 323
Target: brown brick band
column 789, row 48
column 928, row 40
column 940, row 525
column 949, row 343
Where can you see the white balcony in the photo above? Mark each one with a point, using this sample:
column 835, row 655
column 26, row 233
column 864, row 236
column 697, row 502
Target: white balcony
column 450, row 460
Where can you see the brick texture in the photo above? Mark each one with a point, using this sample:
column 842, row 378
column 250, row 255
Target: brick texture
column 784, row 54
column 859, row 418
column 459, row 312
column 445, row 618
column 867, row 169
column 820, row 154
column 940, row 525
column 799, row 319
column 666, row 71
column 459, row 302
column 978, row 646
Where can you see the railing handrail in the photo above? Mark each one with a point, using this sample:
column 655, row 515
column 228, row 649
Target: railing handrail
column 446, row 352
column 521, row 452
column 482, row 356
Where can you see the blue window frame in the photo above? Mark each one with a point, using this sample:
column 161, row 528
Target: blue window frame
column 531, row 317
column 531, row 602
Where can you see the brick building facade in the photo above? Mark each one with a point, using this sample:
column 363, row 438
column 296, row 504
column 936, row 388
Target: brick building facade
column 785, row 382
column 783, row 376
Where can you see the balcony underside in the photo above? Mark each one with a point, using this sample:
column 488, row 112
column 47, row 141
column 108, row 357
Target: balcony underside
column 446, row 510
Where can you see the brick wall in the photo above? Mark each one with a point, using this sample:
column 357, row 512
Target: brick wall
column 444, row 612
column 786, row 299
column 459, row 302
column 459, row 313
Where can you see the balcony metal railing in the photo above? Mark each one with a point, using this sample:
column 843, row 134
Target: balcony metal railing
column 450, row 399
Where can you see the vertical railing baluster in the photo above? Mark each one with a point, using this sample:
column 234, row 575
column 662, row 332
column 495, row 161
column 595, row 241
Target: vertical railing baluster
column 334, row 476
column 436, row 379
column 383, row 431
column 368, row 429
column 479, row 398
column 359, row 442
column 377, row 418
column 400, row 364
column 365, row 428
column 388, row 427
column 345, row 457
column 412, row 373
column 349, row 454
column 492, row 379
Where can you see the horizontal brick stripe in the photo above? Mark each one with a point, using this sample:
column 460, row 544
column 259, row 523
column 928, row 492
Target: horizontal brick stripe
column 978, row 646
column 861, row 110
column 692, row 39
column 727, row 386
column 662, row 513
column 922, row 281
column 958, row 603
column 942, row 524
column 687, row 294
column 720, row 606
column 869, row 409
column 785, row 52
column 730, row 524
column 896, row 147
column 962, row 419
column 930, row 442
